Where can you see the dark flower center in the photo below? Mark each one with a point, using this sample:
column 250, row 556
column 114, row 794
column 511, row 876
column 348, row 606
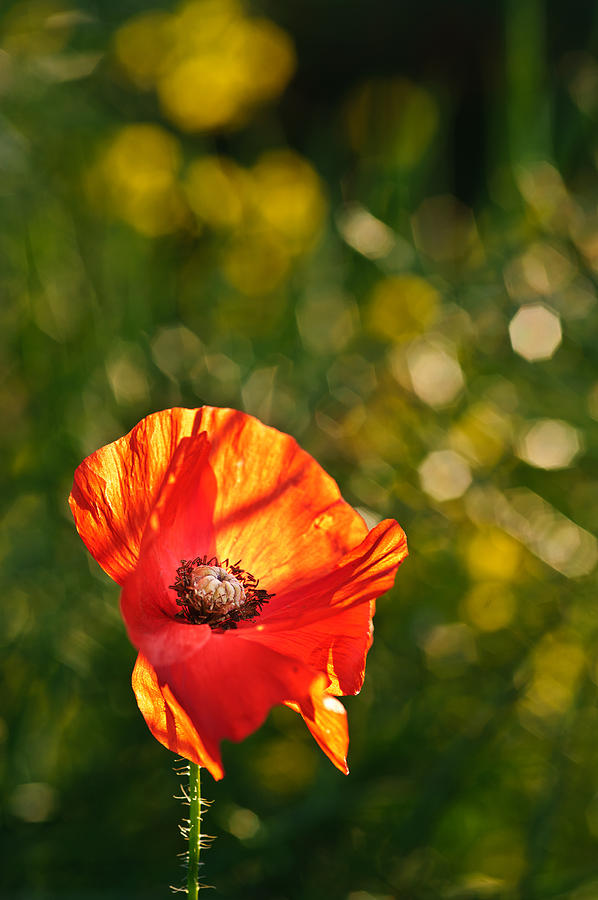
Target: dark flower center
column 217, row 594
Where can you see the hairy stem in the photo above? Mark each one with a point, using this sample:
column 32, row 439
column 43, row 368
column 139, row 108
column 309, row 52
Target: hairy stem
column 194, row 830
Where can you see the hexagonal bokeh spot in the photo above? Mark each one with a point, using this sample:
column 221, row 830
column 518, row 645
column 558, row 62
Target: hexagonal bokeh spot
column 535, row 332
column 549, row 444
column 436, row 375
column 444, row 475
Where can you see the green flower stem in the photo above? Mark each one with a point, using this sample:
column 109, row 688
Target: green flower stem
column 194, row 830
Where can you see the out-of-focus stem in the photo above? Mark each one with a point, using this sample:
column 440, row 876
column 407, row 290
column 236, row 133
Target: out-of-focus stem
column 528, row 97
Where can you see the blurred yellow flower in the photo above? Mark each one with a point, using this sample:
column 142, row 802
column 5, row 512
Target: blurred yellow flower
column 289, row 197
column 489, row 605
column 203, row 92
column 217, row 190
column 402, row 306
column 275, row 211
column 256, row 263
column 543, row 189
column 482, row 434
column 558, row 661
column 140, row 46
column 491, row 554
column 210, row 64
column 136, row 179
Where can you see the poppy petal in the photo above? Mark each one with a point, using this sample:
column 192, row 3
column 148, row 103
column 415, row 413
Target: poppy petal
column 225, row 687
column 328, row 625
column 326, row 718
column 167, row 720
column 364, row 574
column 115, row 488
column 336, row 645
column 277, row 510
column 179, row 527
column 275, row 507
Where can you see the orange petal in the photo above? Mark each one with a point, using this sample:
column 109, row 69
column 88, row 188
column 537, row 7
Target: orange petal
column 223, row 688
column 179, row 527
column 336, row 645
column 361, row 576
column 326, row 718
column 328, row 622
column 167, row 720
column 116, row 487
column 276, row 509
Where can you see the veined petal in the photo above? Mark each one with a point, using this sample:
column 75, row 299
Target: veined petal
column 276, row 509
column 115, row 488
column 167, row 720
column 179, row 527
column 326, row 718
column 223, row 689
column 363, row 574
column 336, row 645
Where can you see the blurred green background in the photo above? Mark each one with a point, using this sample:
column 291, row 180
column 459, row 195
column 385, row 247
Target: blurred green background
column 375, row 226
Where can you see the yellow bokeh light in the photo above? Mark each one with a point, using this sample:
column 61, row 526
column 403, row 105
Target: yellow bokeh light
column 326, row 321
column 289, row 197
column 203, row 92
column 220, row 65
column 558, row 661
column 489, row 605
column 482, row 434
column 582, row 71
column 140, row 46
column 544, row 191
column 177, row 352
column 217, row 190
column 201, row 24
column 270, row 58
column 136, row 179
column 402, row 306
column 491, row 554
column 366, row 429
column 243, row 823
column 126, row 373
column 255, row 263
column 454, row 639
column 281, row 196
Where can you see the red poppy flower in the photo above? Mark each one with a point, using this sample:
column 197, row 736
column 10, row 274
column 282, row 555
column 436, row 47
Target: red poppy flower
column 247, row 581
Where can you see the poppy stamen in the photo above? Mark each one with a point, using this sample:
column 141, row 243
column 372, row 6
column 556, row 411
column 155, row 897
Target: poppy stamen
column 217, row 594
